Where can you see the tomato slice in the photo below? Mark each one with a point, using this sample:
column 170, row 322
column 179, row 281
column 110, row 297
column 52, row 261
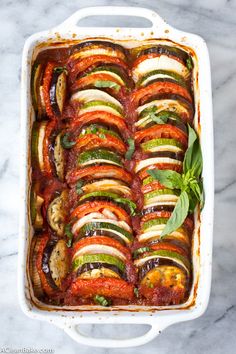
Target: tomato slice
column 89, row 207
column 101, row 117
column 80, row 66
column 101, row 240
column 162, row 131
column 161, row 87
column 188, row 222
column 46, row 148
column 91, row 79
column 109, row 287
column 160, row 166
column 90, row 141
column 162, row 295
column 97, row 172
column 47, row 78
column 152, row 187
column 46, row 287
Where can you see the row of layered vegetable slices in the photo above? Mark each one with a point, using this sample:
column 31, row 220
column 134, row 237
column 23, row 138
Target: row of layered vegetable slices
column 105, row 115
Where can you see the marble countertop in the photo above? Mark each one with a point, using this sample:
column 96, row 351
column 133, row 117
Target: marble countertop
column 214, row 332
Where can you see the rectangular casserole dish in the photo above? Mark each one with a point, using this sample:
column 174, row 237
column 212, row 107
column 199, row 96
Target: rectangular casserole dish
column 68, row 318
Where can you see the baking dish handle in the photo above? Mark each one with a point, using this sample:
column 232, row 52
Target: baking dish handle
column 74, row 332
column 150, row 15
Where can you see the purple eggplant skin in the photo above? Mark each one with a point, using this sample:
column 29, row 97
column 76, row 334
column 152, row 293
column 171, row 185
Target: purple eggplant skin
column 58, row 94
column 166, row 50
column 157, row 208
column 97, row 265
column 156, row 262
column 114, row 46
column 172, row 155
column 45, row 263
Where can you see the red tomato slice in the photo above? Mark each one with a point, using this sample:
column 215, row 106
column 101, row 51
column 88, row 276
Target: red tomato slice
column 100, row 117
column 109, row 287
column 152, row 187
column 47, row 78
column 162, row 131
column 90, row 207
column 160, row 166
column 188, row 222
column 46, row 287
column 97, row 172
column 161, row 87
column 101, row 240
column 90, row 141
column 82, row 65
column 91, row 79
column 162, row 295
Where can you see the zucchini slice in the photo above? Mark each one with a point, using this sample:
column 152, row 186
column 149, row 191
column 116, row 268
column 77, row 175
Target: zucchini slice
column 99, row 156
column 36, row 78
column 98, row 105
column 89, row 95
column 162, row 62
column 56, row 213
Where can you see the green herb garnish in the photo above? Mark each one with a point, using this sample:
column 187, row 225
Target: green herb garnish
column 140, row 250
column 136, row 293
column 189, row 183
column 66, row 142
column 131, row 149
column 159, row 118
column 189, row 64
column 101, row 300
column 69, row 235
column 78, row 188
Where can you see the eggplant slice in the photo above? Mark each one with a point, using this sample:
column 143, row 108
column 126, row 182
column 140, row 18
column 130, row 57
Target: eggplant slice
column 59, row 262
column 58, row 90
column 56, row 213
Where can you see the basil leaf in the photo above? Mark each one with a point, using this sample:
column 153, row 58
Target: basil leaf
column 65, row 142
column 178, row 215
column 131, row 149
column 158, row 119
column 107, row 84
column 193, row 155
column 78, row 188
column 197, row 188
column 101, row 300
column 167, row 178
column 192, row 136
column 69, row 235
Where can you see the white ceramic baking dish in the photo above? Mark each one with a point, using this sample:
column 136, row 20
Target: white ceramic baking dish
column 158, row 318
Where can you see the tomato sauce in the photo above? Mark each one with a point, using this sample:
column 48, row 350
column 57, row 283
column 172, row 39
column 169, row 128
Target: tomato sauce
column 72, row 291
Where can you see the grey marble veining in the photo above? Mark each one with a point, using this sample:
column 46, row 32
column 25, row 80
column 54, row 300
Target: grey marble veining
column 215, row 331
